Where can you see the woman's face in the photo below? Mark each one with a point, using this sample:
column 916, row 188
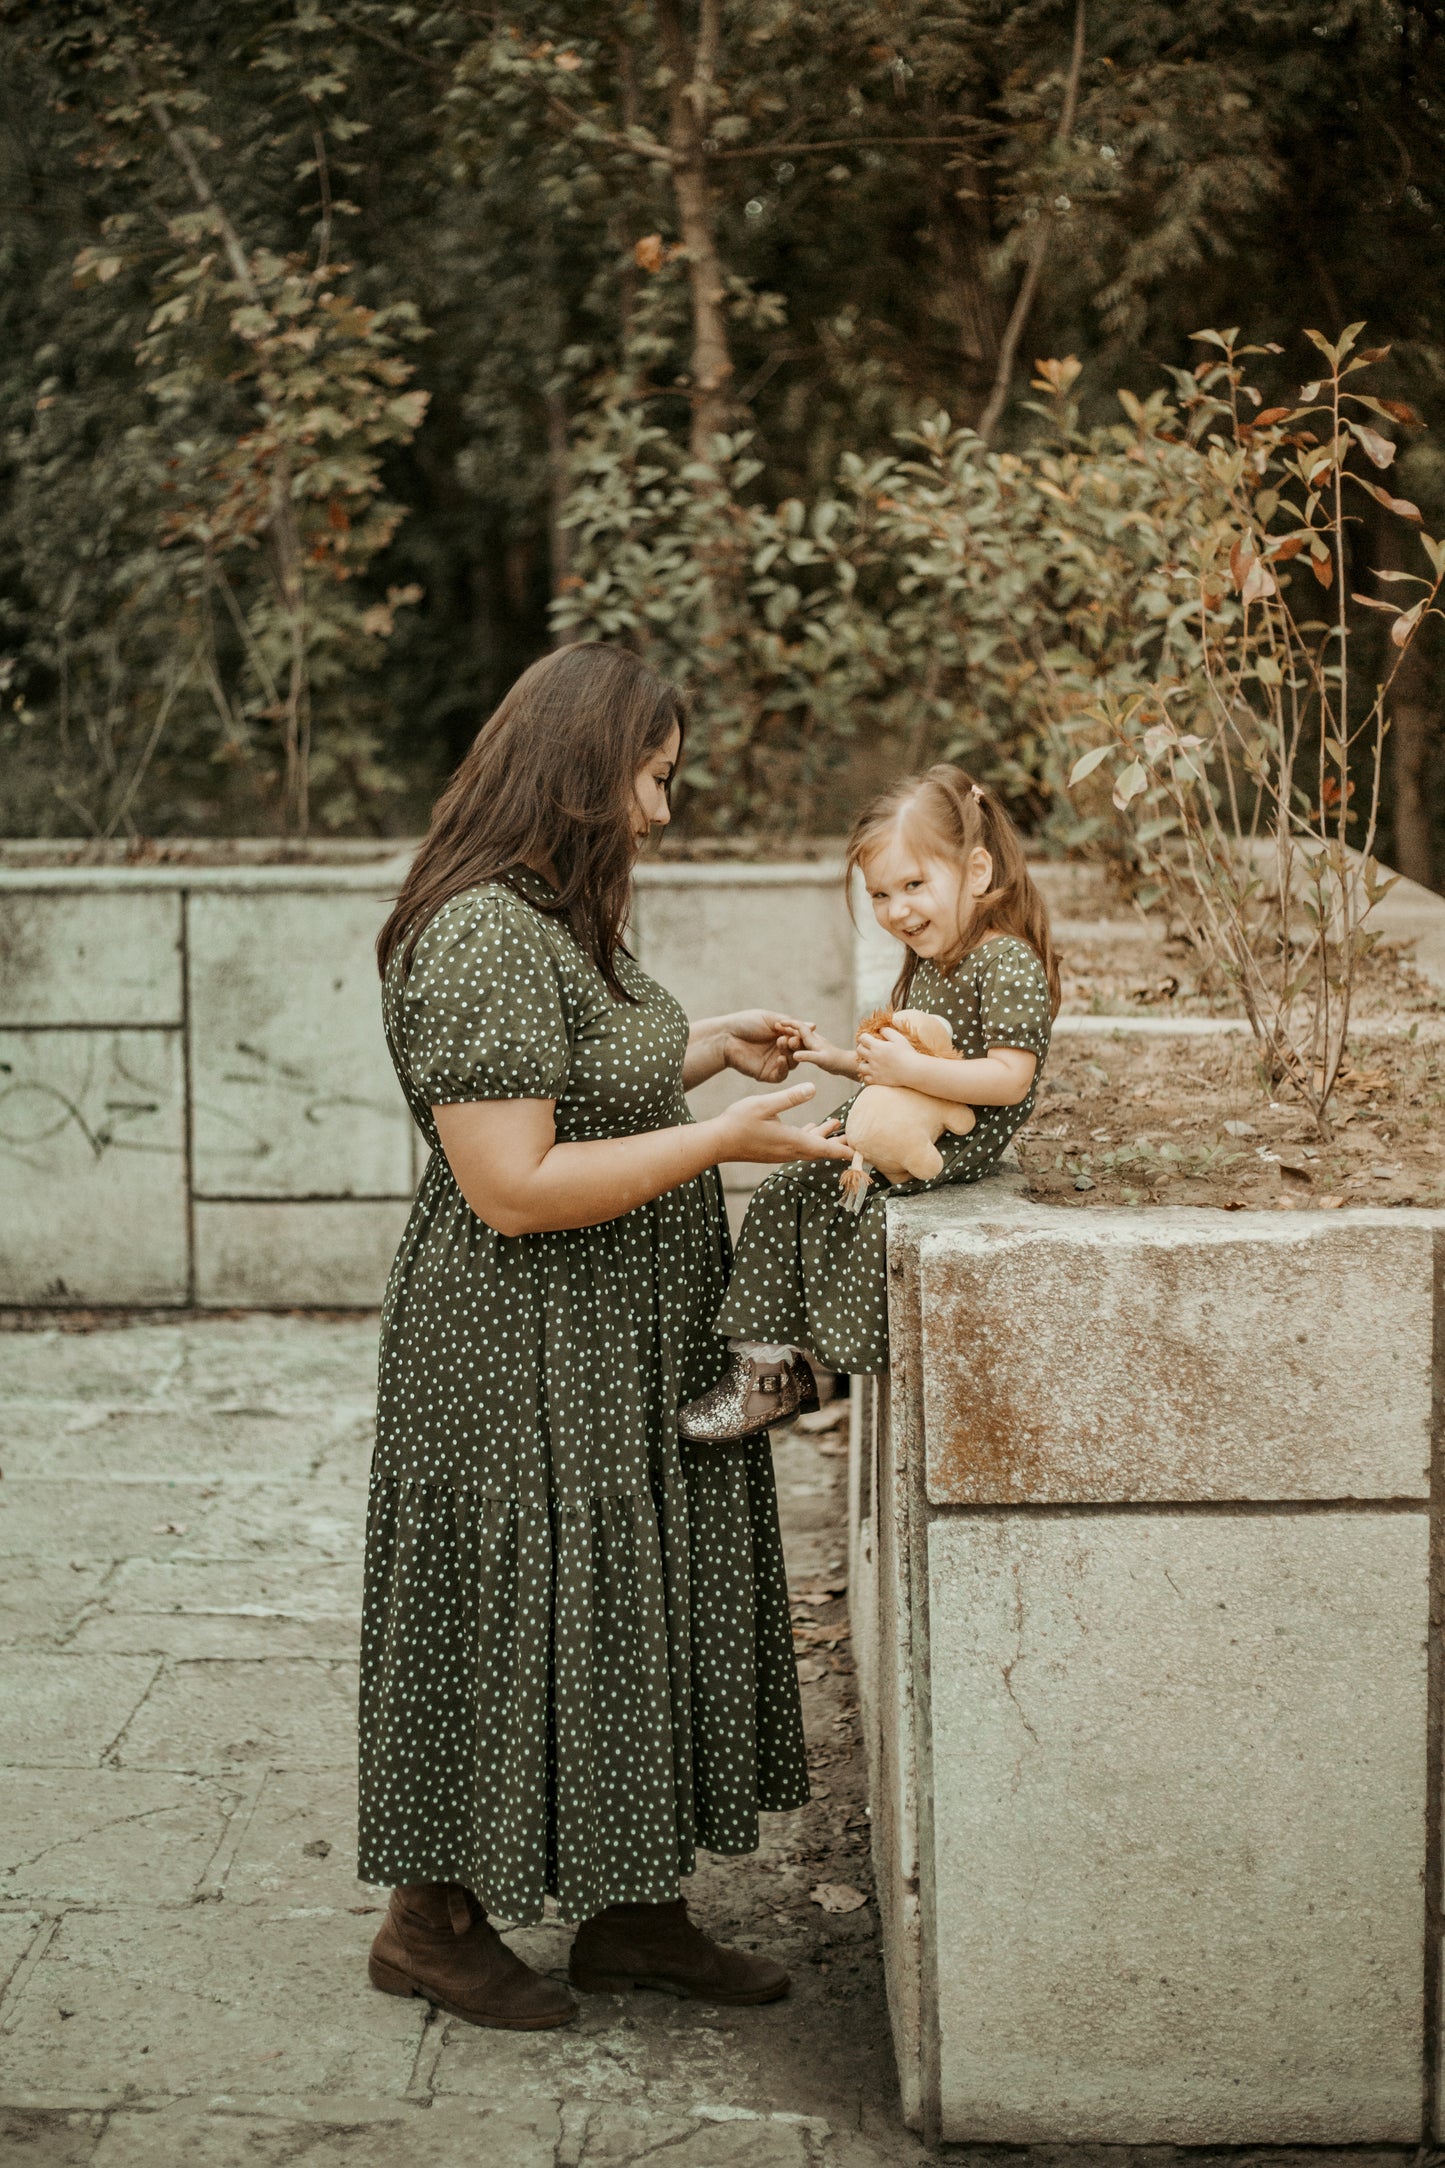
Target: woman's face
column 650, row 808
column 922, row 900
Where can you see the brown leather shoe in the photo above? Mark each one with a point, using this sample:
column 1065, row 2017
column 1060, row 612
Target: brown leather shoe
column 750, row 1396
column 435, row 1941
column 658, row 1946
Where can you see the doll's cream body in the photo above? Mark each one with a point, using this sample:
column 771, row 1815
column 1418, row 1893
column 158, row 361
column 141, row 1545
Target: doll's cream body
column 895, row 1128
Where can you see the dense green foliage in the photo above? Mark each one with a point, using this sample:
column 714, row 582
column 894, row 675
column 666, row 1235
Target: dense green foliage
column 350, row 353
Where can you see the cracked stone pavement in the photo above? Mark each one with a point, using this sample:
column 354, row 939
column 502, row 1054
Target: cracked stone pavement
column 182, row 1936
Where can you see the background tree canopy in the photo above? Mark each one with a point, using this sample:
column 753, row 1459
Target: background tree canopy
column 352, row 354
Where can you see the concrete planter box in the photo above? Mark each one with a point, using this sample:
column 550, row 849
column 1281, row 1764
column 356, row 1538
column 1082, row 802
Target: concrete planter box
column 1141, row 1593
column 196, row 1104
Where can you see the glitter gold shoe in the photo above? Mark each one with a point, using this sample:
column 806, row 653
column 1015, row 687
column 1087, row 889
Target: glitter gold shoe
column 749, row 1396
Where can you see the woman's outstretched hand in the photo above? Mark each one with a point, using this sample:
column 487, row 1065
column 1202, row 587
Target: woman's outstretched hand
column 753, row 1129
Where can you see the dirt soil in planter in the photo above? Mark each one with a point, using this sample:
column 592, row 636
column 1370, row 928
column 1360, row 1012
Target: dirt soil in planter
column 1148, row 1116
column 1184, row 1121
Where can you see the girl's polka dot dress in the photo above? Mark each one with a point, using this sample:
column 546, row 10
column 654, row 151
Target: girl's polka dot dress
column 809, row 1273
column 577, row 1664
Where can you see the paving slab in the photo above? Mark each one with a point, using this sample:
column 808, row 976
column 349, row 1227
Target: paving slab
column 323, row 1518
column 65, row 1709
column 460, row 2135
column 43, row 1599
column 217, row 1998
column 117, row 1366
column 88, row 1440
column 197, row 1608
column 616, row 2139
column 108, row 1836
column 17, row 1932
column 40, row 1519
column 201, row 1637
column 299, row 1843
column 224, row 1714
column 40, row 2138
column 279, row 1361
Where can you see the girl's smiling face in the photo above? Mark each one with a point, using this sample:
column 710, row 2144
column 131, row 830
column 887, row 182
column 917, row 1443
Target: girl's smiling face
column 924, row 901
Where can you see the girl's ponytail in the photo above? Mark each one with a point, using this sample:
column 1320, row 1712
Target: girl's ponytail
column 958, row 816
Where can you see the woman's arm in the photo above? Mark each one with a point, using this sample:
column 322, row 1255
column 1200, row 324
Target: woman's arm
column 756, row 1042
column 516, row 1176
column 1003, row 1079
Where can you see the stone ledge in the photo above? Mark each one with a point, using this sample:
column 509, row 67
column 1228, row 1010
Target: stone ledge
column 1188, row 1356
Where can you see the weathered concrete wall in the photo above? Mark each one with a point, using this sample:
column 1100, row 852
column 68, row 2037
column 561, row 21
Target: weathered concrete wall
column 196, row 1104
column 1148, row 1686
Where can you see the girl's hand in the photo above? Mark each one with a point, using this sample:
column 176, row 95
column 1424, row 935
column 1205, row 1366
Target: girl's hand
column 760, row 1044
column 823, row 1054
column 885, row 1057
column 753, row 1129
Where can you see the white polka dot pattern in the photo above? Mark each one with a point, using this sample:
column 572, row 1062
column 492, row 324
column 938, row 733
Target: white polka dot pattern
column 577, row 1663
column 809, row 1272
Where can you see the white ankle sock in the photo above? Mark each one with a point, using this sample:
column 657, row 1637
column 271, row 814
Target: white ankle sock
column 761, row 1352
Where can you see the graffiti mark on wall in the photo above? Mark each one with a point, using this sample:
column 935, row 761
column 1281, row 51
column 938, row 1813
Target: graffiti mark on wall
column 106, row 1106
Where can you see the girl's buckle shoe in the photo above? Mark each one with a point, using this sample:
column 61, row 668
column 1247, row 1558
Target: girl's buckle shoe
column 750, row 1396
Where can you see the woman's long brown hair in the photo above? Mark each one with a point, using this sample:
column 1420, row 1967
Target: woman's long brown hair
column 548, row 781
column 957, row 816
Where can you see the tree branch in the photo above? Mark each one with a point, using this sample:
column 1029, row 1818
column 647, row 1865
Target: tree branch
column 842, row 143
column 658, row 154
column 205, row 195
column 1019, row 314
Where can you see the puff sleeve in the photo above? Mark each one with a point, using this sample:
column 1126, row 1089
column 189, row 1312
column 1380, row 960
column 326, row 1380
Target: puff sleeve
column 1014, row 1005
column 482, row 1009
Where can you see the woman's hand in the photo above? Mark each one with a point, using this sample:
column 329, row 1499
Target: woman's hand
column 886, row 1057
column 812, row 1047
column 760, row 1044
column 753, row 1129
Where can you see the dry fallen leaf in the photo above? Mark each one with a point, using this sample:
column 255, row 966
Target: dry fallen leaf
column 810, row 1670
column 838, row 1897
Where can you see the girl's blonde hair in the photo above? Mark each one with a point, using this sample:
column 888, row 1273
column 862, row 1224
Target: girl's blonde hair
column 957, row 816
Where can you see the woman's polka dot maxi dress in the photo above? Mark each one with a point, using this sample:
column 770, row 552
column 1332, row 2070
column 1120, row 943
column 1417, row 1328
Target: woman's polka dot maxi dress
column 810, row 1273
column 577, row 1663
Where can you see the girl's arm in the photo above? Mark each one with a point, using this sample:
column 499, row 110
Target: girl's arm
column 1003, row 1079
column 756, row 1042
column 516, row 1176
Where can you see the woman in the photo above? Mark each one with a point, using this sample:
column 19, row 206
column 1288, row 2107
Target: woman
column 576, row 1662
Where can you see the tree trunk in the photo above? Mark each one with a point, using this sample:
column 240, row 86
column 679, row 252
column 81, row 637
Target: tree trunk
column 559, row 538
column 965, row 300
column 1413, row 727
column 1414, row 723
column 691, row 77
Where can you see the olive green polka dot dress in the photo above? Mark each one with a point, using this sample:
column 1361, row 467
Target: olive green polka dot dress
column 811, row 1274
column 577, row 1663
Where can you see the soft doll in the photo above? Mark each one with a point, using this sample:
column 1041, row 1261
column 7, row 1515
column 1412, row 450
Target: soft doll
column 896, row 1129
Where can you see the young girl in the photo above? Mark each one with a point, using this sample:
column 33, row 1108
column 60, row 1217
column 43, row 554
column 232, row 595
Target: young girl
column 945, row 873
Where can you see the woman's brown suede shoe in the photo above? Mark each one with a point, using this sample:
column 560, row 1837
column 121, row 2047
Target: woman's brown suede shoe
column 658, row 1946
column 435, row 1941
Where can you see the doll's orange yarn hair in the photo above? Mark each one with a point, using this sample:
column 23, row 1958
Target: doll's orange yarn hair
column 952, row 815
